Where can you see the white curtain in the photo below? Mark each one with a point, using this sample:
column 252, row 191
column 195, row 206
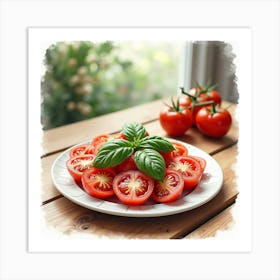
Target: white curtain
column 211, row 61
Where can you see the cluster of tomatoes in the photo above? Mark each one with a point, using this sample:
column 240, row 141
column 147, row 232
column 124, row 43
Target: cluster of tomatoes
column 130, row 185
column 200, row 107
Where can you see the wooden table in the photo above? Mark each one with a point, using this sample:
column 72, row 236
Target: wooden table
column 202, row 222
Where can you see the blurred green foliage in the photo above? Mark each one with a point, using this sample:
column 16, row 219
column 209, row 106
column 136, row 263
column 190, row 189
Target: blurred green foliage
column 85, row 79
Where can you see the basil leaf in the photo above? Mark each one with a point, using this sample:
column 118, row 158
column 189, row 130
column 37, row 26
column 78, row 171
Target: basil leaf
column 156, row 143
column 151, row 163
column 112, row 153
column 134, row 131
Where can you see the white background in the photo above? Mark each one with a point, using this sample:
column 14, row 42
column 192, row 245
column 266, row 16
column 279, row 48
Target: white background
column 262, row 262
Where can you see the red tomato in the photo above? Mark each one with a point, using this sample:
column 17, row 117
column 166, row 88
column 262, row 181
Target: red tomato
column 76, row 166
column 180, row 150
column 81, row 150
column 122, row 136
column 133, row 187
column 99, row 140
column 198, row 95
column 175, row 123
column 99, row 182
column 170, row 189
column 119, row 136
column 213, row 124
column 207, row 94
column 128, row 164
column 201, row 161
column 213, row 95
column 186, row 101
column 189, row 168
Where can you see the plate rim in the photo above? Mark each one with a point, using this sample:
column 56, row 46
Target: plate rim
column 136, row 212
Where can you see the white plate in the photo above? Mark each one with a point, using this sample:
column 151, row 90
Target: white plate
column 207, row 188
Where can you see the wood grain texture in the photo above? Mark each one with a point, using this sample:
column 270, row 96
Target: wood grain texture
column 223, row 221
column 48, row 190
column 68, row 217
column 60, row 138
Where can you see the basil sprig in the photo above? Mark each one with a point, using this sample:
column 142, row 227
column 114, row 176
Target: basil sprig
column 113, row 153
column 145, row 148
column 156, row 143
column 151, row 163
column 134, row 131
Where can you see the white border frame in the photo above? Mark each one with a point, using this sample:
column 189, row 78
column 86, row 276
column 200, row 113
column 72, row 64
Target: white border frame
column 261, row 16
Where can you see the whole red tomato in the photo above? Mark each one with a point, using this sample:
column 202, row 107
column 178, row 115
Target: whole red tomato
column 213, row 121
column 213, row 95
column 208, row 93
column 198, row 95
column 191, row 100
column 175, row 122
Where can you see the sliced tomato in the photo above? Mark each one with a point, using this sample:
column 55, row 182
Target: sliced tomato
column 99, row 182
column 170, row 189
column 119, row 136
column 81, row 150
column 189, row 168
column 180, row 150
column 122, row 136
column 201, row 161
column 76, row 166
column 99, row 140
column 128, row 164
column 133, row 187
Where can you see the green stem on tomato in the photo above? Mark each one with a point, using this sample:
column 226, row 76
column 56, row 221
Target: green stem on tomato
column 213, row 109
column 207, row 88
column 175, row 107
column 204, row 103
column 193, row 98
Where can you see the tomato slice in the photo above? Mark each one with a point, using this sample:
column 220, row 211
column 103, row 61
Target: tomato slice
column 76, row 166
column 189, row 168
column 99, row 140
column 201, row 161
column 170, row 189
column 180, row 150
column 122, row 136
column 81, row 150
column 128, row 164
column 98, row 182
column 133, row 187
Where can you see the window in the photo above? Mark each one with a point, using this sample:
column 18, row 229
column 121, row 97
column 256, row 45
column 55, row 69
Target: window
column 87, row 79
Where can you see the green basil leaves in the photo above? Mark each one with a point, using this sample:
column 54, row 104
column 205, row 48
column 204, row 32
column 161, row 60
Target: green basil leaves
column 151, row 163
column 113, row 153
column 134, row 131
column 145, row 148
column 156, row 143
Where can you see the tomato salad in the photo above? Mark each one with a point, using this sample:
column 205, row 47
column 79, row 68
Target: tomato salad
column 135, row 167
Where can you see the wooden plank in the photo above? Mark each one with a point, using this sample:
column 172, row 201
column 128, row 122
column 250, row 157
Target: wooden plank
column 223, row 221
column 48, row 190
column 68, row 217
column 60, row 138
